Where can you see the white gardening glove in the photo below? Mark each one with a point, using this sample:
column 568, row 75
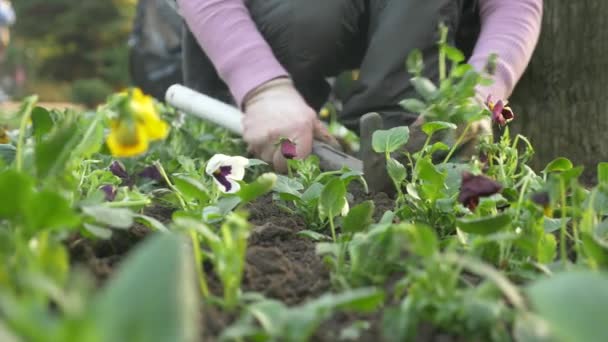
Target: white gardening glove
column 276, row 110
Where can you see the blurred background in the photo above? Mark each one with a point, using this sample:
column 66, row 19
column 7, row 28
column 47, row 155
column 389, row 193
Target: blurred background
column 81, row 51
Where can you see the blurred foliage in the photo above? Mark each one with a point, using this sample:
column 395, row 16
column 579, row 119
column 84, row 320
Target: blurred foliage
column 90, row 92
column 65, row 40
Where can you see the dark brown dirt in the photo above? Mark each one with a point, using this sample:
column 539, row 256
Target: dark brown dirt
column 102, row 256
column 279, row 264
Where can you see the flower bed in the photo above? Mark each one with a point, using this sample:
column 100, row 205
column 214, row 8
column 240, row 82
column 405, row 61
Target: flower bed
column 136, row 223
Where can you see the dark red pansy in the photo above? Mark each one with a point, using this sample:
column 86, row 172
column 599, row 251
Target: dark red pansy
column 473, row 187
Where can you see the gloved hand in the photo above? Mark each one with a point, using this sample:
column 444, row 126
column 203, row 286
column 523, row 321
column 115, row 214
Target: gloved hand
column 276, row 110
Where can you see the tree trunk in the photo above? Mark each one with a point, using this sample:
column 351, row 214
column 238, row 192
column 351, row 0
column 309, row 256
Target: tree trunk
column 561, row 101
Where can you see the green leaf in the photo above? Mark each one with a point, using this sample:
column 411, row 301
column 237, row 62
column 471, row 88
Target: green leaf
column 399, row 323
column 390, row 140
column 453, row 53
column 332, row 199
column 558, row 165
column 575, row 305
column 151, row 222
column 602, row 173
column 357, row 300
column 52, row 153
column 312, row 193
column 396, row 171
column 432, row 127
column 286, row 185
column 552, row 224
column 97, row 231
column 191, row 188
column 7, row 153
column 153, row 296
column 424, row 241
column 256, row 162
column 271, row 314
column 595, row 249
column 16, row 189
column 94, row 142
column 259, row 187
column 359, row 218
column 42, row 122
column 460, row 70
column 573, row 173
column 431, row 179
column 424, row 87
column 113, row 217
column 413, row 105
column 314, row 236
column 484, row 225
column 49, row 210
column 415, row 63
column 547, row 249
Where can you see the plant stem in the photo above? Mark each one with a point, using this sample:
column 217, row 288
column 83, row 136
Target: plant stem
column 198, row 258
column 163, row 173
column 458, row 142
column 562, row 193
column 442, row 41
column 27, row 113
column 128, row 203
column 331, row 225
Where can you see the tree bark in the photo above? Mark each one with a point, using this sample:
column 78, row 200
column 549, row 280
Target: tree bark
column 561, row 100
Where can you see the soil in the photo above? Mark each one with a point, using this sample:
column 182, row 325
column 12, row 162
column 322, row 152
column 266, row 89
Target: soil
column 280, row 264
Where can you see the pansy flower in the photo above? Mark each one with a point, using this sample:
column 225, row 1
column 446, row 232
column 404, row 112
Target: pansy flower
column 136, row 124
column 288, row 148
column 501, row 113
column 109, row 192
column 543, row 200
column 227, row 171
column 473, row 187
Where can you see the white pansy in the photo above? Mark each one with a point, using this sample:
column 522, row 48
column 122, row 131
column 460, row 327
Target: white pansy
column 227, row 171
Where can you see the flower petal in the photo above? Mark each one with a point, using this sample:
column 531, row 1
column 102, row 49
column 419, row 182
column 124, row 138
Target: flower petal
column 238, row 167
column 118, row 170
column 288, row 149
column 215, row 162
column 473, row 187
column 226, row 184
column 127, row 140
column 345, row 209
column 109, row 192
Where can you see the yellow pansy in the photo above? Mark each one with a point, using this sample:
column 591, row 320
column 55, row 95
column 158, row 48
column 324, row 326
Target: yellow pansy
column 137, row 125
column 143, row 108
column 127, row 139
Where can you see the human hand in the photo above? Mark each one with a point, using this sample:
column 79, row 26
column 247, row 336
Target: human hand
column 276, row 110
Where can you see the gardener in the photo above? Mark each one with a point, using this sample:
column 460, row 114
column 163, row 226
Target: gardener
column 271, row 57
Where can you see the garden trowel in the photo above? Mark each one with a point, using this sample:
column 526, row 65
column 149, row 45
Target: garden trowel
column 229, row 117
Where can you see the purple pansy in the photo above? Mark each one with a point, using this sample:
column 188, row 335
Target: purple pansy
column 151, row 172
column 118, row 169
column 109, row 192
column 473, row 187
column 501, row 113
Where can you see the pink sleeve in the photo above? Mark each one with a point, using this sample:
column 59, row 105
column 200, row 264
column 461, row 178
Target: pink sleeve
column 509, row 28
column 229, row 37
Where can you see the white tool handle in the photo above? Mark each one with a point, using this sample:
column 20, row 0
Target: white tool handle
column 229, row 117
column 205, row 107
